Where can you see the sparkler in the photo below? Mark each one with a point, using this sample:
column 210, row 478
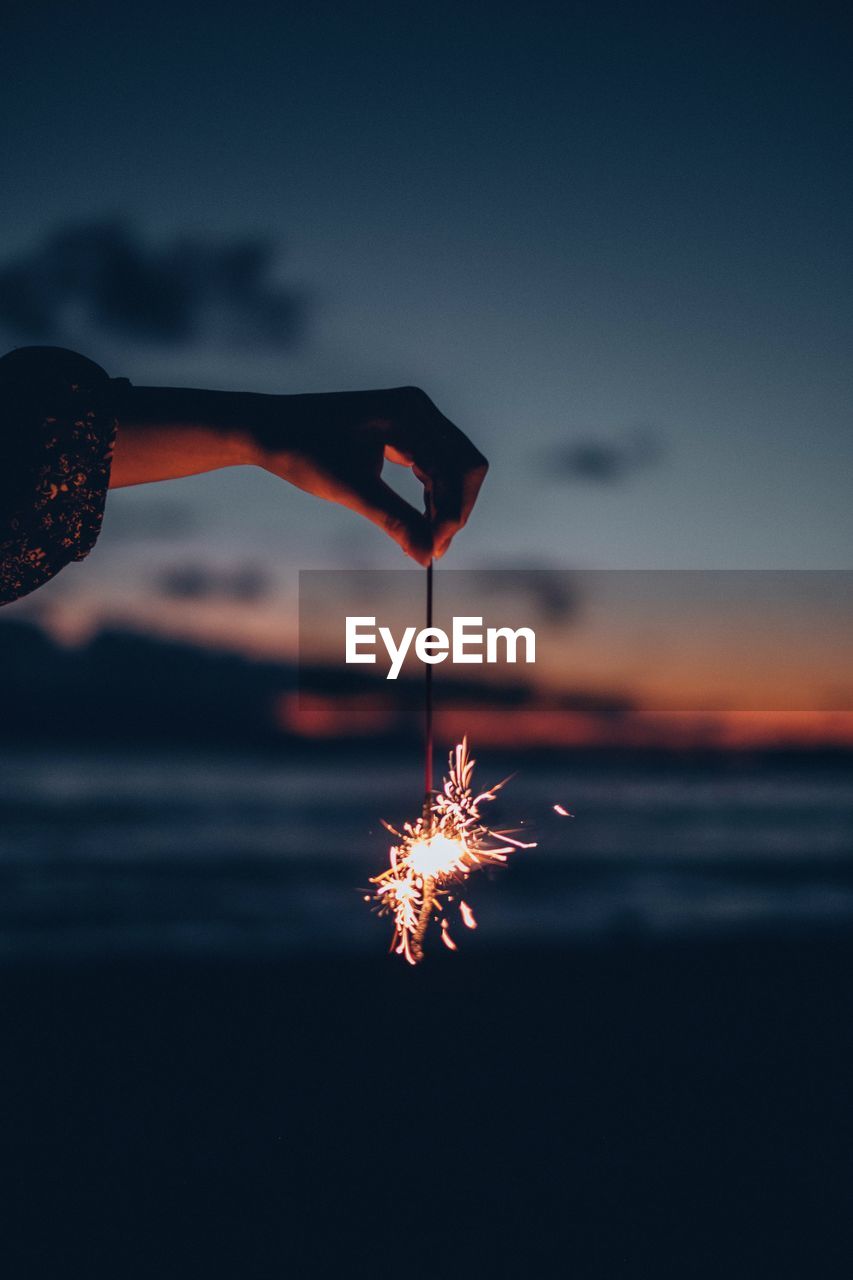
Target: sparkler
column 444, row 846
column 436, row 854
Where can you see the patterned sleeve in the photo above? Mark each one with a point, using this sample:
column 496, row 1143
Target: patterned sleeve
column 57, row 428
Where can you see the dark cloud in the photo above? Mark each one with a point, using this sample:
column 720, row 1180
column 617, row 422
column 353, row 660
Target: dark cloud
column 246, row 584
column 600, row 461
column 105, row 276
column 554, row 593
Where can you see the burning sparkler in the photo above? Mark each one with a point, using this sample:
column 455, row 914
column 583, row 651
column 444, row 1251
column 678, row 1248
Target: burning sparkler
column 436, row 854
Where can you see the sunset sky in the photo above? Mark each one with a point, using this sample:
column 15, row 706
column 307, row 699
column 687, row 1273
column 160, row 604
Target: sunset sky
column 668, row 641
column 612, row 242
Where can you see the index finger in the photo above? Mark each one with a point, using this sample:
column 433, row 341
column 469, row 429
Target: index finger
column 446, row 462
column 453, row 503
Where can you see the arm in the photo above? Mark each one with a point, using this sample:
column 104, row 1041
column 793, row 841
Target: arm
column 332, row 445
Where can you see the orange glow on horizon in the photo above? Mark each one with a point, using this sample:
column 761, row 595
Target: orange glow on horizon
column 335, row 716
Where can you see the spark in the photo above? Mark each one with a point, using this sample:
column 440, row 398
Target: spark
column 564, row 813
column 446, row 938
column 436, row 856
column 441, row 849
column 467, row 916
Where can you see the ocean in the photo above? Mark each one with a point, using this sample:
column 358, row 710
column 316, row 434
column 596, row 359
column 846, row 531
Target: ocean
column 105, row 852
column 638, row 1065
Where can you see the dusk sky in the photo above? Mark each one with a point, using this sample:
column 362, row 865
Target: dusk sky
column 611, row 241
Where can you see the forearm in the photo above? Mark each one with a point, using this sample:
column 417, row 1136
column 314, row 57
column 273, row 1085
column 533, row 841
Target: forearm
column 330, row 444
column 167, row 432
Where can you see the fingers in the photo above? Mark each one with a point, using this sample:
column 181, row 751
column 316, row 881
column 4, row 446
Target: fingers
column 409, row 528
column 452, row 505
column 444, row 460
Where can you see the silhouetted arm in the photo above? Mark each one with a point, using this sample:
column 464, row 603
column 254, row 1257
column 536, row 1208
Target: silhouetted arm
column 332, row 445
column 68, row 432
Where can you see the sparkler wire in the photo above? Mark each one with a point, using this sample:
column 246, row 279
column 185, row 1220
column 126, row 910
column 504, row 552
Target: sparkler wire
column 447, row 843
column 428, row 685
column 428, row 893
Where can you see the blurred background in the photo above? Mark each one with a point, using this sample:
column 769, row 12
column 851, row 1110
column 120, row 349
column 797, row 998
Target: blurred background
column 612, row 245
column 612, row 242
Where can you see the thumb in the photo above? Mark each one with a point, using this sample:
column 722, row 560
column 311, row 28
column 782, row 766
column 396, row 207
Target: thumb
column 409, row 528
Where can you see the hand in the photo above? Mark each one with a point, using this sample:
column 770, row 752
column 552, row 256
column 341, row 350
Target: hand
column 334, row 445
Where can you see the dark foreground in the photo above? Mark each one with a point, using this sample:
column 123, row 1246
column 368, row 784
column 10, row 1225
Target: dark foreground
column 683, row 1110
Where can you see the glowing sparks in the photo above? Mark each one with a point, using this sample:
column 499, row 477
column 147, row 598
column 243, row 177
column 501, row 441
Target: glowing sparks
column 437, row 853
column 564, row 813
column 467, row 916
column 437, row 856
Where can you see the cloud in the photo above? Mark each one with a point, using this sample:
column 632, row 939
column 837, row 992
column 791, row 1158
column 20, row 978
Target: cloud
column 245, row 584
column 554, row 593
column 105, row 277
column 606, row 461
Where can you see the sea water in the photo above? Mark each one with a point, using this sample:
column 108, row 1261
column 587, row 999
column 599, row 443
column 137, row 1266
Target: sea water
column 105, row 852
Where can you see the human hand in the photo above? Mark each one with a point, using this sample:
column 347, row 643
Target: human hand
column 334, row 445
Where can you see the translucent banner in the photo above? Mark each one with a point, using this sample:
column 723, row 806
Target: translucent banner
column 550, row 654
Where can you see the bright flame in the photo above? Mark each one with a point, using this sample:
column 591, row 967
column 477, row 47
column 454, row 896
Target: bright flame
column 447, row 843
column 436, row 856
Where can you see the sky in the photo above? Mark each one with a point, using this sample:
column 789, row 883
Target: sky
column 611, row 241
